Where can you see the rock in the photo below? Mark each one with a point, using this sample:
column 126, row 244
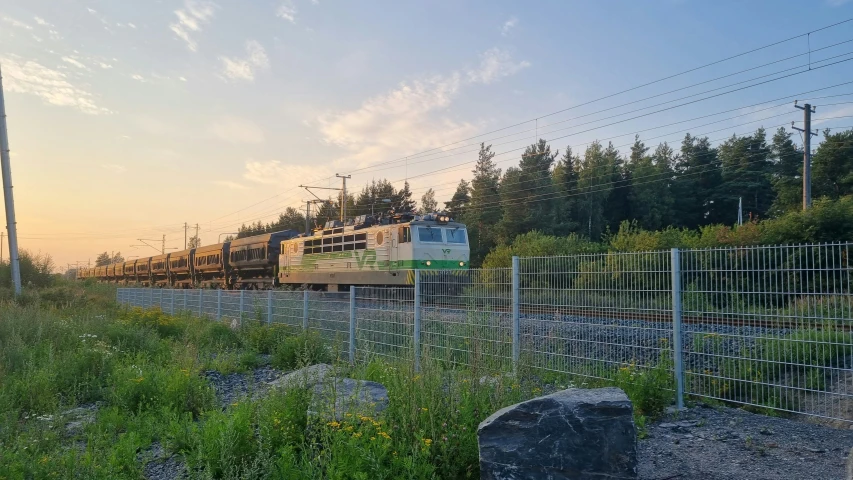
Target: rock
column 571, row 434
column 76, row 419
column 334, row 396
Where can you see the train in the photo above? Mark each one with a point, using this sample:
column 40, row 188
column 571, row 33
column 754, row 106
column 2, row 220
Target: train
column 369, row 250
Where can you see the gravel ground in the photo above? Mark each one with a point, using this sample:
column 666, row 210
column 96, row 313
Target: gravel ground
column 731, row 444
column 230, row 388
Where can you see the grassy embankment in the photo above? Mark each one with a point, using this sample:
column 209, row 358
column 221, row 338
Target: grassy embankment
column 68, row 346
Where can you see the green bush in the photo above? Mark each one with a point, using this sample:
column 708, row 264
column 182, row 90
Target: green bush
column 307, row 348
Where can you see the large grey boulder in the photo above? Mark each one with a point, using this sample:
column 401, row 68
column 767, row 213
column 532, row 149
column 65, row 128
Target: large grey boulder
column 334, row 396
column 577, row 434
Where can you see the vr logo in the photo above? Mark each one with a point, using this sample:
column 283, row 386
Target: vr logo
column 446, row 251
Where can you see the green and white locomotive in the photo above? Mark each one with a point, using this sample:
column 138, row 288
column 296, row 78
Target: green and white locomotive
column 374, row 251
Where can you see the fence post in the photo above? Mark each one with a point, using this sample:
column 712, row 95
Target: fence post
column 417, row 322
column 269, row 306
column 352, row 325
column 185, row 301
column 516, row 327
column 172, row 302
column 200, row 302
column 151, row 298
column 219, row 304
column 304, row 310
column 242, row 294
column 676, row 328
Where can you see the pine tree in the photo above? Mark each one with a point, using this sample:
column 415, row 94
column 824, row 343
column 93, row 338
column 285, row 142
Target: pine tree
column 832, row 165
column 459, row 201
column 594, row 184
column 616, row 207
column 103, row 259
column 527, row 194
column 428, row 203
column 484, row 210
column 651, row 196
column 565, row 177
column 746, row 174
column 788, row 173
column 193, row 242
column 696, row 183
column 402, row 199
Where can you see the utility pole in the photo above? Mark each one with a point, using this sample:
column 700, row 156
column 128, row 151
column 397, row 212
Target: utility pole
column 807, row 151
column 343, row 196
column 197, row 241
column 307, row 216
column 2, row 234
column 320, row 200
column 11, row 225
column 163, row 245
column 740, row 211
column 185, row 235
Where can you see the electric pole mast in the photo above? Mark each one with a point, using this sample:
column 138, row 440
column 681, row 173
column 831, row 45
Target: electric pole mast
column 343, row 196
column 807, row 151
column 163, row 247
column 2, row 234
column 185, row 235
column 11, row 225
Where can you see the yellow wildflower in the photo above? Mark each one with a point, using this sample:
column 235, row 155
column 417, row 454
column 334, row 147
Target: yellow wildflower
column 424, row 409
column 384, row 435
column 427, row 441
column 357, row 434
column 334, row 424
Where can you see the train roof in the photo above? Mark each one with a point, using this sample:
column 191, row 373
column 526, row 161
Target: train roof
column 183, row 253
column 273, row 237
column 217, row 247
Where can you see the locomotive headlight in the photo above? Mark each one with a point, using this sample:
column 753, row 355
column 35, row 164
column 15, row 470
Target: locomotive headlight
column 428, row 263
column 461, row 264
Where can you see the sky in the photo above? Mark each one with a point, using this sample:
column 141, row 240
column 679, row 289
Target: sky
column 128, row 119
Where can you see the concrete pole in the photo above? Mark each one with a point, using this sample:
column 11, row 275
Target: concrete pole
column 11, row 225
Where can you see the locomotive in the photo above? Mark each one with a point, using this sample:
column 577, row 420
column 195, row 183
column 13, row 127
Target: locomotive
column 379, row 250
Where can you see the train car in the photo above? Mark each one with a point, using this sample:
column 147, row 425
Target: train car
column 254, row 260
column 181, row 268
column 119, row 272
column 211, row 267
column 111, row 275
column 160, row 270
column 143, row 271
column 92, row 273
column 365, row 253
column 130, row 272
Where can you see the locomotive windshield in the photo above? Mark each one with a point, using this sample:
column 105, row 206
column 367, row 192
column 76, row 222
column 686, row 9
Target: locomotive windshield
column 456, row 235
column 431, row 235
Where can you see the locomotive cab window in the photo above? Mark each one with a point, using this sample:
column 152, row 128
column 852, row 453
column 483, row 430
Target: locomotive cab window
column 405, row 235
column 456, row 235
column 429, row 235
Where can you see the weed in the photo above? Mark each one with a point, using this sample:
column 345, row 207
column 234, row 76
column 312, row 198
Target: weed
column 307, row 348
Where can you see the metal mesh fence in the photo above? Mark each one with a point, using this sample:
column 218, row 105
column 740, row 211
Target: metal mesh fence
column 466, row 317
column 384, row 322
column 770, row 327
column 592, row 314
column 762, row 326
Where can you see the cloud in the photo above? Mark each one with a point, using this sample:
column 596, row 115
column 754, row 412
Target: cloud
column 42, row 22
column 494, row 65
column 76, row 63
column 16, row 23
column 508, row 25
column 114, row 167
column 138, row 77
column 52, row 86
column 191, row 18
column 105, row 66
column 274, row 172
column 245, row 68
column 411, row 117
column 237, row 130
column 131, row 26
column 230, row 184
column 287, row 12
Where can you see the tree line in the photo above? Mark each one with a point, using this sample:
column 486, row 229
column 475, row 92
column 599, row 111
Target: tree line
column 690, row 186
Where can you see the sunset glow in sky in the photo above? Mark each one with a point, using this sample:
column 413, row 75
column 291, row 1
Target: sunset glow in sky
column 127, row 119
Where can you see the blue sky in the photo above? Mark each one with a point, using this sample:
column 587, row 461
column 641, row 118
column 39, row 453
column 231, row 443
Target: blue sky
column 127, row 119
